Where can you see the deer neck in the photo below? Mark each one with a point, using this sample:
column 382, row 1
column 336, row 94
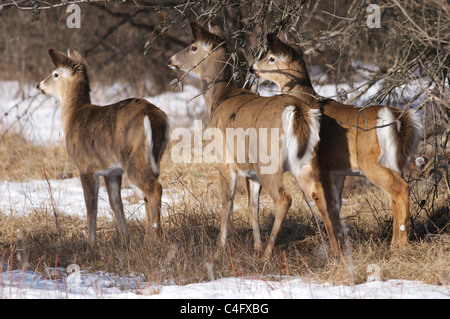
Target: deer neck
column 73, row 97
column 216, row 81
column 296, row 82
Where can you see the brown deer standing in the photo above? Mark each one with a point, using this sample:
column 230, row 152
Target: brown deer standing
column 377, row 141
column 233, row 108
column 129, row 136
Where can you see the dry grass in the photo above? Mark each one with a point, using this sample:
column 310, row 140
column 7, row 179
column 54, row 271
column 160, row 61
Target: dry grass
column 185, row 255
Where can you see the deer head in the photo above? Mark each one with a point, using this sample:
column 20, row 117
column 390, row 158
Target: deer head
column 69, row 70
column 284, row 66
column 193, row 57
column 279, row 63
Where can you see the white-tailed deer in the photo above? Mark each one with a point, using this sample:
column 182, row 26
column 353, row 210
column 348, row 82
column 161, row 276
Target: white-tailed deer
column 129, row 136
column 234, row 109
column 377, row 141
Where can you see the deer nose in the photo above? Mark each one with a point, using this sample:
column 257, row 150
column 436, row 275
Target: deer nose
column 172, row 65
column 38, row 86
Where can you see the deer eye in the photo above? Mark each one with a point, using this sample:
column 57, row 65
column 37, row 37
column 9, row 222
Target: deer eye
column 272, row 59
column 193, row 48
column 55, row 75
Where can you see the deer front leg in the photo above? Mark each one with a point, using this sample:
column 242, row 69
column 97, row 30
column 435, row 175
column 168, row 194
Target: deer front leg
column 89, row 182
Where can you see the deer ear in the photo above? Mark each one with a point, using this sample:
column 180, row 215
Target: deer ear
column 276, row 45
column 58, row 58
column 199, row 33
column 74, row 55
column 215, row 29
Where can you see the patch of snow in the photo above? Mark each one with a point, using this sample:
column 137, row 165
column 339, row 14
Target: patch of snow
column 21, row 198
column 83, row 285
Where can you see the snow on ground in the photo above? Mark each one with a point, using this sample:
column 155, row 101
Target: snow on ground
column 82, row 285
column 21, row 198
column 38, row 119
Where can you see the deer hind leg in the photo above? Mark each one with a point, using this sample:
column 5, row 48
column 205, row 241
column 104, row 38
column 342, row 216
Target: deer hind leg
column 398, row 189
column 327, row 197
column 255, row 187
column 273, row 184
column 90, row 184
column 143, row 177
column 153, row 191
column 228, row 180
column 337, row 185
column 113, row 186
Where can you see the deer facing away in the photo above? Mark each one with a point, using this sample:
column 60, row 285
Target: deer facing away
column 129, row 136
column 377, row 142
column 233, row 108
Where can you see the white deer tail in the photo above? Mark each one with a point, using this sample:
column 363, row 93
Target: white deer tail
column 154, row 164
column 301, row 130
column 398, row 135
